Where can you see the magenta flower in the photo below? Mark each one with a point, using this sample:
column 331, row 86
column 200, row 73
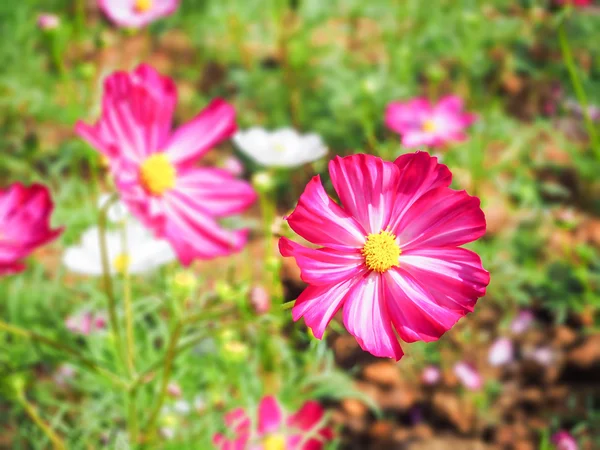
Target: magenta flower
column 48, row 21
column 431, row 375
column 468, row 375
column 275, row 431
column 24, row 224
column 137, row 13
column 501, row 352
column 390, row 255
column 564, row 441
column 86, row 323
column 155, row 170
column 422, row 124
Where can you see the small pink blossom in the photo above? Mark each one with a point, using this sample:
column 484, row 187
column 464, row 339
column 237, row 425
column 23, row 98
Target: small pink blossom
column 431, row 375
column 86, row 323
column 501, row 352
column 468, row 376
column 564, row 441
column 234, row 166
column 24, row 224
column 174, row 390
column 156, row 170
column 389, row 256
column 48, row 22
column 137, row 13
column 274, row 429
column 422, row 124
column 544, row 356
column 522, row 322
column 63, row 374
column 260, row 299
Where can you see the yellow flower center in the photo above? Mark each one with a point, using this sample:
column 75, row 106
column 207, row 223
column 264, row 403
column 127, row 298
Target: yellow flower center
column 121, row 262
column 381, row 251
column 279, row 147
column 274, row 442
column 158, row 174
column 429, row 126
column 143, row 5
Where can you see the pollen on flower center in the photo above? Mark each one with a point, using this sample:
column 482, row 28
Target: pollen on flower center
column 274, row 442
column 143, row 5
column 381, row 251
column 429, row 126
column 157, row 174
column 121, row 262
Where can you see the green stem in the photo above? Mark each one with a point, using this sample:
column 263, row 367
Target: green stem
column 130, row 346
column 288, row 305
column 88, row 363
column 578, row 87
column 108, row 287
column 132, row 422
column 31, row 411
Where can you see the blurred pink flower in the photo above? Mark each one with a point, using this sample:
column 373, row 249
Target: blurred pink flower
column 501, row 352
column 564, row 441
column 275, row 430
column 24, row 224
column 48, row 22
column 544, row 356
column 156, row 171
column 522, row 322
column 260, row 299
column 234, row 166
column 390, row 256
column 422, row 124
column 63, row 374
column 174, row 390
column 86, row 322
column 431, row 375
column 468, row 376
column 137, row 13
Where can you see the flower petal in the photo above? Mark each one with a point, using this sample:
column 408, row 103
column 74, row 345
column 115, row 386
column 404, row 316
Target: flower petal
column 367, row 188
column 214, row 124
column 270, row 416
column 323, row 265
column 366, row 317
column 320, row 220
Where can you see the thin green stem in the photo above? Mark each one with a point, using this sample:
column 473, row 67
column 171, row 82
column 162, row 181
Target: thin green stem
column 129, row 336
column 132, row 422
column 578, row 87
column 31, row 411
column 88, row 363
column 106, row 274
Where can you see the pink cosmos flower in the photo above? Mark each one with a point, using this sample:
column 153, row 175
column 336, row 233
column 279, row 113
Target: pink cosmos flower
column 137, row 13
column 275, row 431
column 501, row 352
column 48, row 21
column 24, row 224
column 431, row 375
column 389, row 255
column 423, row 124
column 86, row 323
column 155, row 170
column 468, row 376
column 564, row 441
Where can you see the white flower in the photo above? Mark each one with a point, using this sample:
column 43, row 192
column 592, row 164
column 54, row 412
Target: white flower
column 143, row 254
column 284, row 147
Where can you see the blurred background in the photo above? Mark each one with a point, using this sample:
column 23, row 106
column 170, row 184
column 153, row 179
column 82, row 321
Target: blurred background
column 520, row 369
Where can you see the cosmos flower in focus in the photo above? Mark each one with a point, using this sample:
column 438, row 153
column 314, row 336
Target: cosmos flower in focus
column 468, row 376
column 501, row 352
column 274, row 429
column 24, row 224
column 137, row 13
column 422, row 124
column 390, row 254
column 284, row 147
column 156, row 171
column 86, row 322
column 48, row 21
column 142, row 254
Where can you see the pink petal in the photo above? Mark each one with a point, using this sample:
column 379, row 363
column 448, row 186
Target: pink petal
column 403, row 117
column 454, row 276
column 192, row 140
column 450, row 104
column 366, row 317
column 441, row 218
column 307, row 417
column 318, row 304
column 323, row 265
column 124, row 14
column 216, row 191
column 415, row 313
column 366, row 186
column 320, row 220
column 270, row 416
